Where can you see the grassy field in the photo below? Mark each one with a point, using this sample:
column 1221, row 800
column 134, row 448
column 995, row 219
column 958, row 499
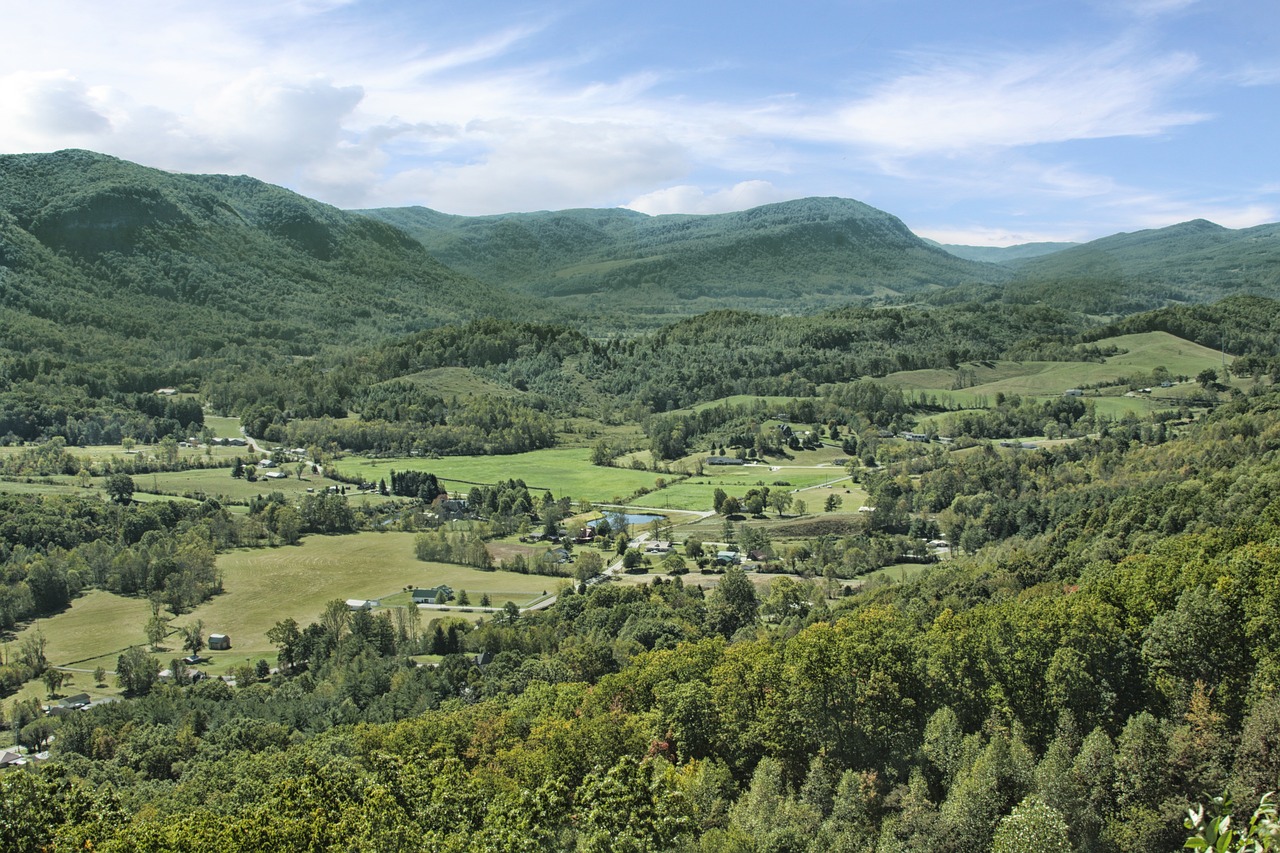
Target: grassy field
column 743, row 400
column 562, row 471
column 223, row 427
column 92, row 632
column 96, row 452
column 218, row 483
column 1143, row 354
column 264, row 586
column 97, row 623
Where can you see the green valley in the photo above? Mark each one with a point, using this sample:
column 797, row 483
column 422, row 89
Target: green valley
column 587, row 530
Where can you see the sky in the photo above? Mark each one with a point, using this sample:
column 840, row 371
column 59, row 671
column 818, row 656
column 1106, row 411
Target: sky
column 981, row 123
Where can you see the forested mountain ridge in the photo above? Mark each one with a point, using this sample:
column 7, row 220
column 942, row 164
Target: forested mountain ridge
column 116, row 279
column 211, row 260
column 812, row 253
column 1196, row 261
column 1003, row 254
column 802, row 254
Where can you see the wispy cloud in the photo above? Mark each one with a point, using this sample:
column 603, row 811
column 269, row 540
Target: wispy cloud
column 691, row 199
column 959, row 103
column 362, row 104
column 1145, row 9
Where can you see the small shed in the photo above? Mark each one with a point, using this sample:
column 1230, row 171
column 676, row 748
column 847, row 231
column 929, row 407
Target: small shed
column 219, row 642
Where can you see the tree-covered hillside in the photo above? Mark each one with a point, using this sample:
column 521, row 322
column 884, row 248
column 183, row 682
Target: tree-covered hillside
column 117, row 279
column 791, row 256
column 207, row 262
column 1077, row 685
column 1004, row 254
column 1195, row 261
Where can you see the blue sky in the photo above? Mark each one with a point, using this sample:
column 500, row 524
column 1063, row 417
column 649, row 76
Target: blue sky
column 988, row 123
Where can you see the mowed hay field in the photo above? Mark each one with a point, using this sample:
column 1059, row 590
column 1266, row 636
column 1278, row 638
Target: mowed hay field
column 565, row 472
column 264, row 586
column 1143, row 353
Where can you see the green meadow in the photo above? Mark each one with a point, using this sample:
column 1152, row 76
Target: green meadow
column 697, row 493
column 218, row 483
column 264, row 586
column 1143, row 353
column 565, row 472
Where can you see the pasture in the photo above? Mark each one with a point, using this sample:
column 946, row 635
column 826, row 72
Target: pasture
column 219, row 484
column 223, row 427
column 565, row 472
column 1143, row 353
column 264, row 586
column 94, row 629
column 745, row 400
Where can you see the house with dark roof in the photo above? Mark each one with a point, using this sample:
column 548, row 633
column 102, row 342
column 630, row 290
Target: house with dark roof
column 431, row 595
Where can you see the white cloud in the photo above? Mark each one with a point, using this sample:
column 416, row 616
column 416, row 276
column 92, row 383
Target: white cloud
column 377, row 105
column 1256, row 75
column 536, row 164
column 1147, row 8
column 1156, row 212
column 44, row 105
column 957, row 104
column 983, row 236
column 691, row 199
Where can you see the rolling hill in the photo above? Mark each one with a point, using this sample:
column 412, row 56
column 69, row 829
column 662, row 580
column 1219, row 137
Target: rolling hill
column 797, row 255
column 1196, row 261
column 1003, row 254
column 198, row 264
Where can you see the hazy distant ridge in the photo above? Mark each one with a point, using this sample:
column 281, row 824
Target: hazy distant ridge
column 807, row 252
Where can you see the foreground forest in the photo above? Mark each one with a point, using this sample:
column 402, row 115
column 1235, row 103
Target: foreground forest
column 1011, row 549
column 1095, row 680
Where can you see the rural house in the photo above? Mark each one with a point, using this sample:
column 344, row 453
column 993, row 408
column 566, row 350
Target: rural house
column 432, row 594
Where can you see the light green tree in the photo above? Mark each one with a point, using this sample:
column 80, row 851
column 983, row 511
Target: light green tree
column 156, row 631
column 1032, row 825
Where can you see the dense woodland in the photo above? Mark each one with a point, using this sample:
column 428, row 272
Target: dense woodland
column 1100, row 667
column 1098, row 655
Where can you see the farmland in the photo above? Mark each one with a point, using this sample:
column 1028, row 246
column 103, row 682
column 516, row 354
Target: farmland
column 265, row 586
column 564, row 472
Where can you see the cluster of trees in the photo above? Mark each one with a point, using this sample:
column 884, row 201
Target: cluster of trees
column 53, row 547
column 507, row 499
column 488, row 425
column 1010, row 417
column 447, row 546
column 34, row 410
column 753, row 502
column 415, row 484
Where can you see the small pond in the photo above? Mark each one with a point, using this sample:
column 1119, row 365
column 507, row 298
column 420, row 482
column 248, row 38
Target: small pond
column 635, row 519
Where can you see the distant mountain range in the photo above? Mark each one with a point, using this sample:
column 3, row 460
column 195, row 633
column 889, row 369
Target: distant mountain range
column 797, row 255
column 1002, row 254
column 206, row 262
column 1195, row 261
column 210, row 261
